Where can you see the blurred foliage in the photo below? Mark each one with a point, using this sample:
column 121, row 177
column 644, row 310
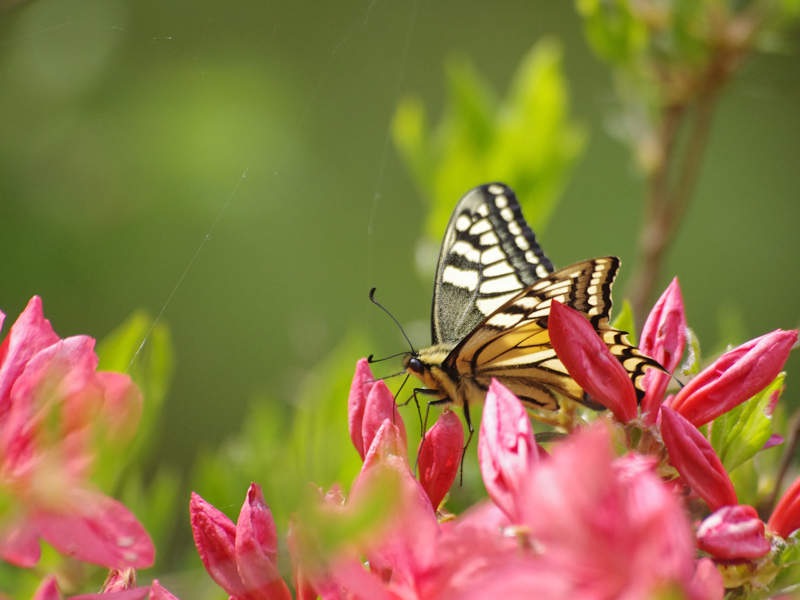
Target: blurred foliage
column 526, row 140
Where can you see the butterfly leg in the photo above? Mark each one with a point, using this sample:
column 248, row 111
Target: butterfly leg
column 471, row 429
column 440, row 401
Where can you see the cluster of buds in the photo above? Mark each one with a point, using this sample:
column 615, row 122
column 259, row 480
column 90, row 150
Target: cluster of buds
column 580, row 522
column 732, row 533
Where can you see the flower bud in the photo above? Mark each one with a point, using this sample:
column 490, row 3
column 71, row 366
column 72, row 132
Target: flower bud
column 786, row 517
column 380, row 406
column 440, row 456
column 733, row 532
column 694, row 458
column 363, row 381
column 590, row 363
column 663, row 339
column 735, row 377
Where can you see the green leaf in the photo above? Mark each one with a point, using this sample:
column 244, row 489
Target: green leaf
column 615, row 32
column 737, row 435
column 691, row 366
column 624, row 321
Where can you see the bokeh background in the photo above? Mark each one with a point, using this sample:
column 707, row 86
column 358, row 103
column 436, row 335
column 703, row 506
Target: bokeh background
column 229, row 168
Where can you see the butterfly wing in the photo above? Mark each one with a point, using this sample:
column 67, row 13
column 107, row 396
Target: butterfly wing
column 489, row 255
column 513, row 343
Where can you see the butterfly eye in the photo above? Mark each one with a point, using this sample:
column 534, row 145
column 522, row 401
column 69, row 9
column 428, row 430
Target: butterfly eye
column 415, row 365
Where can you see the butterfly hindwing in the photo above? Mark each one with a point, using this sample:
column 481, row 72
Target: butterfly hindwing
column 489, row 255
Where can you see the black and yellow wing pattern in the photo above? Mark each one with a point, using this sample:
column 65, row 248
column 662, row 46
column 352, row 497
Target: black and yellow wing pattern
column 491, row 302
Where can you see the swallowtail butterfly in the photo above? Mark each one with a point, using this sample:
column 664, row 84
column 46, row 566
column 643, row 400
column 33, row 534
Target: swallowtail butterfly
column 491, row 302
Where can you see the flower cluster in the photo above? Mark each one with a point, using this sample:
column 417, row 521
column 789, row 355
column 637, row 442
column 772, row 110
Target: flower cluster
column 56, row 413
column 583, row 521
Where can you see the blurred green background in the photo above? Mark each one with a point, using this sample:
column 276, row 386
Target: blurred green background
column 229, row 167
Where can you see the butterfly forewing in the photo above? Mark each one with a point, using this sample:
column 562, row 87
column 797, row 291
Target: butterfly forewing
column 513, row 344
column 489, row 255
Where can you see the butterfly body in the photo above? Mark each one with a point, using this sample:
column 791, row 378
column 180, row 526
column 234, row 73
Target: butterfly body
column 491, row 301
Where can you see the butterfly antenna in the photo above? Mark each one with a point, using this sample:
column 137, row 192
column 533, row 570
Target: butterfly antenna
column 372, row 360
column 378, row 304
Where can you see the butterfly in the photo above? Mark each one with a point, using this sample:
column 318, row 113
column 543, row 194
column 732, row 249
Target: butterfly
column 491, row 302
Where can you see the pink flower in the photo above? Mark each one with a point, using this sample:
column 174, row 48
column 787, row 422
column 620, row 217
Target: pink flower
column 507, row 450
column 612, row 527
column 590, row 363
column 663, row 339
column 440, row 456
column 733, row 532
column 786, row 517
column 54, row 409
column 240, row 558
column 707, row 583
column 736, row 376
column 694, row 458
column 363, row 380
column 48, row 588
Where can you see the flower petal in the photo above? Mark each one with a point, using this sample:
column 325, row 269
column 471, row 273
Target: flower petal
column 256, row 547
column 215, row 537
column 48, row 589
column 363, row 381
column 380, row 406
column 590, row 363
column 507, row 450
column 786, row 517
column 663, row 339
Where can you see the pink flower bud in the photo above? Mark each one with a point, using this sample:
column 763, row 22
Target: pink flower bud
column 733, row 532
column 507, row 450
column 440, row 456
column 215, row 537
column 363, row 380
column 663, row 339
column 389, row 441
column 735, row 377
column 380, row 406
column 590, row 363
column 694, row 458
column 256, row 547
column 786, row 517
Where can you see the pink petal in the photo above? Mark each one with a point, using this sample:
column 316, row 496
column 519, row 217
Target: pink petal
column 48, row 590
column 380, row 406
column 30, row 334
column 215, row 535
column 733, row 532
column 440, row 456
column 388, row 442
column 507, row 451
column 663, row 339
column 786, row 517
column 19, row 543
column 590, row 363
column 707, row 582
column 159, row 592
column 98, row 530
column 735, row 377
column 122, row 404
column 694, row 458
column 363, row 381
column 134, row 594
column 256, row 547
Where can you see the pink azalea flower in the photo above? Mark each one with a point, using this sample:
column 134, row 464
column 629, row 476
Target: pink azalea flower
column 613, row 527
column 663, row 339
column 240, row 558
column 736, row 376
column 733, row 532
column 590, row 363
column 154, row 591
column 707, row 583
column 48, row 588
column 54, row 407
column 694, row 458
column 440, row 456
column 507, row 450
column 785, row 519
